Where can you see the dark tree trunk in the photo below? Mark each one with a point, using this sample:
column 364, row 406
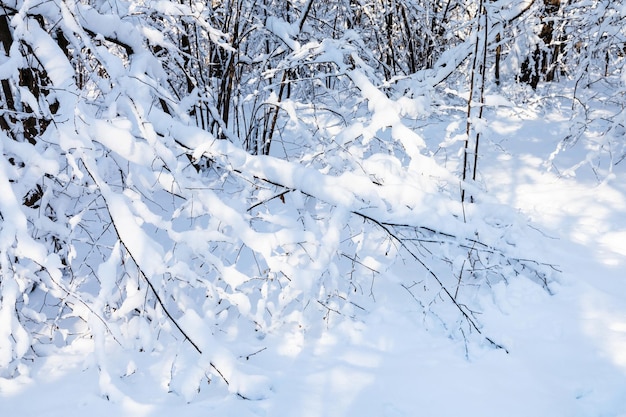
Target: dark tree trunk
column 542, row 62
column 6, row 39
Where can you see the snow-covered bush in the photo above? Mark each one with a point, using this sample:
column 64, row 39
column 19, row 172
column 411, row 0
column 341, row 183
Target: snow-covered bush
column 148, row 207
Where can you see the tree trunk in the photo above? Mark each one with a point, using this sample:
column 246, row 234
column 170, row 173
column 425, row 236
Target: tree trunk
column 542, row 62
column 6, row 40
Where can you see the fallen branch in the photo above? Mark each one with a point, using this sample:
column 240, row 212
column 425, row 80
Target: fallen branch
column 437, row 279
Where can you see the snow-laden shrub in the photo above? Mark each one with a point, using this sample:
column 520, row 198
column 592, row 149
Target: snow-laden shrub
column 125, row 222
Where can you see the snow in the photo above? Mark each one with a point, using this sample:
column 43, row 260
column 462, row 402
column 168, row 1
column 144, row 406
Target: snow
column 284, row 31
column 343, row 279
column 59, row 70
column 566, row 351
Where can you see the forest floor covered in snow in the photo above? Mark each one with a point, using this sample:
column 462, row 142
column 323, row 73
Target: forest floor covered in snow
column 566, row 350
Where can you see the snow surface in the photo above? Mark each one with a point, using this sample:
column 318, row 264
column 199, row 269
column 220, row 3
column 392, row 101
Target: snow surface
column 566, row 351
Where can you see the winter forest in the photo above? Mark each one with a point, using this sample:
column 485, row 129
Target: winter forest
column 313, row 208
